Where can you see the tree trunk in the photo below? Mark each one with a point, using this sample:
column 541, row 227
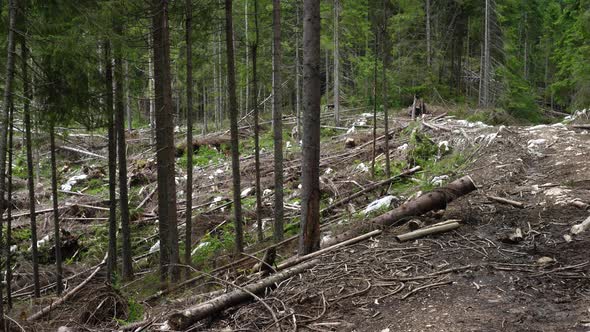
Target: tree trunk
column 189, row 139
column 277, row 116
column 384, row 96
column 126, row 257
column 54, row 198
column 374, row 155
column 297, row 76
column 8, row 80
column 112, row 151
column 233, row 113
column 151, row 93
column 337, row 63
column 428, row 37
column 128, row 99
column 310, row 193
column 112, row 161
column 30, row 167
column 9, row 210
column 247, row 62
column 169, row 256
column 256, row 125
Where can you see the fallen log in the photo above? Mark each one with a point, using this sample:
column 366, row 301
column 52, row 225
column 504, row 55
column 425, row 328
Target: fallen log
column 579, row 204
column 433, row 200
column 369, row 189
column 427, row 231
column 181, row 320
column 502, row 200
column 580, row 228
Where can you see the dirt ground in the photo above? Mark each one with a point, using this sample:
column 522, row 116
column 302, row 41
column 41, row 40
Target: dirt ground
column 471, row 279
column 475, row 278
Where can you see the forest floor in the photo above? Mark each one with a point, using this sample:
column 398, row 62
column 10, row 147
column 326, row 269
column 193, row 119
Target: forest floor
column 476, row 278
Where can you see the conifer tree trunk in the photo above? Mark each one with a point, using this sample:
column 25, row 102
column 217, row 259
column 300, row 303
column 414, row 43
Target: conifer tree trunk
column 374, row 155
column 30, row 167
column 233, row 113
column 128, row 99
column 277, row 116
column 297, row 75
column 126, row 259
column 336, row 63
column 169, row 256
column 428, row 36
column 54, row 199
column 310, row 192
column 189, row 139
column 7, row 101
column 9, row 210
column 385, row 55
column 112, row 156
column 256, row 125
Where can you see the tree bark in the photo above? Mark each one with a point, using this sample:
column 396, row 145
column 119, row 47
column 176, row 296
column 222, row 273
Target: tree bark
column 256, row 125
column 384, row 96
column 112, row 151
column 277, row 116
column 54, row 198
column 233, row 113
column 9, row 210
column 189, row 139
column 126, row 256
column 297, row 75
column 165, row 155
column 337, row 63
column 7, row 101
column 310, row 193
column 30, row 167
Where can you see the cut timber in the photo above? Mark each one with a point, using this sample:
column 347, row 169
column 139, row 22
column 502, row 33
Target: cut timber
column 427, row 231
column 433, row 200
column 183, row 319
column 415, row 224
column 519, row 205
column 582, row 126
column 369, row 189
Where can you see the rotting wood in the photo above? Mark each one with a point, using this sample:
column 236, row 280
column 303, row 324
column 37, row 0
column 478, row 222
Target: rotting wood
column 369, row 189
column 427, row 231
column 183, row 319
column 433, row 200
column 502, row 200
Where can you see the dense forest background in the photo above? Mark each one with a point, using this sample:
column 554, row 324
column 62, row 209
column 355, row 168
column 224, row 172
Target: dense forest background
column 435, row 48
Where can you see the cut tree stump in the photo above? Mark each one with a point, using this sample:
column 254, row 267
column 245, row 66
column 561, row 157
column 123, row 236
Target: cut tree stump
column 181, row 320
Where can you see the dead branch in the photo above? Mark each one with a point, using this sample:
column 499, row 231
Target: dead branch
column 182, row 320
column 88, row 153
column 67, row 295
column 502, row 200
